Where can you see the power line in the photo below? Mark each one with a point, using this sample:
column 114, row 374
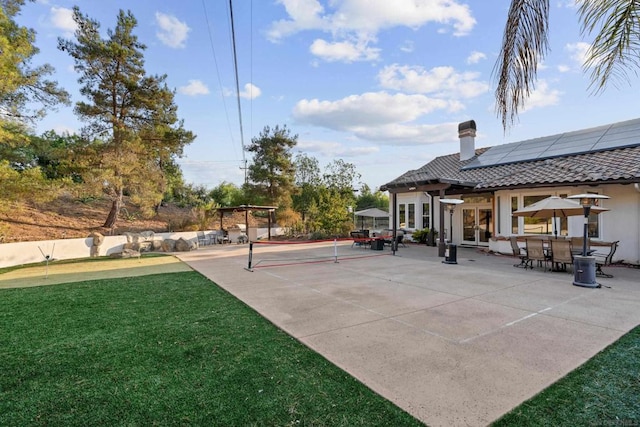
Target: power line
column 215, row 61
column 235, row 65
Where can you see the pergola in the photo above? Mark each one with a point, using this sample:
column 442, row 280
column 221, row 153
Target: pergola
column 246, row 209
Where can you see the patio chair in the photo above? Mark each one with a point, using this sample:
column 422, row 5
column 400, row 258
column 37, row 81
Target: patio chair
column 603, row 259
column 519, row 252
column 399, row 241
column 535, row 252
column 202, row 238
column 222, row 236
column 561, row 255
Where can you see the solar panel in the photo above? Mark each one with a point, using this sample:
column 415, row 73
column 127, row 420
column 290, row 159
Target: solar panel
column 608, row 137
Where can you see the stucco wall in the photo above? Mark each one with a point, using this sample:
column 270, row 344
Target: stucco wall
column 20, row 253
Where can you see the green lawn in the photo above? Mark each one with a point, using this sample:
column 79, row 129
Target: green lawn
column 170, row 349
column 174, row 349
column 605, row 391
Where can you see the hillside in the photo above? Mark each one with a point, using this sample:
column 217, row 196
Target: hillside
column 69, row 218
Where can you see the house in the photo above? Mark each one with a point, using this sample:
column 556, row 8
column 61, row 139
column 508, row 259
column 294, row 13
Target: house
column 495, row 181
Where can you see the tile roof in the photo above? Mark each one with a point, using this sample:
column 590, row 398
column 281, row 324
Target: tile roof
column 617, row 165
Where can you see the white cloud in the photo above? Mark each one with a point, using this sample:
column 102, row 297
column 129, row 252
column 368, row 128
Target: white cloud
column 407, row 46
column 363, row 20
column 335, row 149
column 475, row 57
column 194, row 88
column 344, row 51
column 64, row 130
column 441, row 81
column 250, row 91
column 62, row 19
column 578, row 51
column 376, row 116
column 542, row 96
column 173, row 32
column 564, row 68
column 420, row 134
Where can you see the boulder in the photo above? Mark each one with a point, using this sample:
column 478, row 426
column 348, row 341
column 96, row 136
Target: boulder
column 97, row 240
column 168, row 245
column 183, row 245
column 139, row 246
column 126, row 253
column 143, row 236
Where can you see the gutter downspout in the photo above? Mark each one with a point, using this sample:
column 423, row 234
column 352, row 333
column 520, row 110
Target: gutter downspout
column 394, row 215
column 441, row 245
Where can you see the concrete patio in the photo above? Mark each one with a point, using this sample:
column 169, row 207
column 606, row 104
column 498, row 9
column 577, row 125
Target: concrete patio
column 451, row 344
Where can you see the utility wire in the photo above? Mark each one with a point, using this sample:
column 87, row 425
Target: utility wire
column 215, row 61
column 235, row 64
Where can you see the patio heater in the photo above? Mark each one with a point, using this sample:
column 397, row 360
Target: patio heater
column 584, row 266
column 451, row 252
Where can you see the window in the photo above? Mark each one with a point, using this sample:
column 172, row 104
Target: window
column 426, row 215
column 412, row 215
column 402, row 215
column 537, row 225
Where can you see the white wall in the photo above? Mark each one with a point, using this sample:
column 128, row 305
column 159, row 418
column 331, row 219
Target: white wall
column 20, row 253
column 621, row 223
column 33, row 252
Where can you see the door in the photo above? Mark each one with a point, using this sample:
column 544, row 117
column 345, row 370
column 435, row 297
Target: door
column 476, row 225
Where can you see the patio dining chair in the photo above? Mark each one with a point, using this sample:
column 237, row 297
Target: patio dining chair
column 535, row 252
column 519, row 252
column 202, row 238
column 603, row 259
column 561, row 255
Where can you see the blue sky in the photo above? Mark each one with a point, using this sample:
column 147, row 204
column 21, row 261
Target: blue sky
column 380, row 84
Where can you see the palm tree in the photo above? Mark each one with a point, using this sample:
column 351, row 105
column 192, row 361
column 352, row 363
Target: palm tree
column 614, row 51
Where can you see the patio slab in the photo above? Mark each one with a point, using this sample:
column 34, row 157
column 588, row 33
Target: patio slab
column 451, row 344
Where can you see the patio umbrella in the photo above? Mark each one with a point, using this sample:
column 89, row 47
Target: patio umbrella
column 371, row 213
column 555, row 207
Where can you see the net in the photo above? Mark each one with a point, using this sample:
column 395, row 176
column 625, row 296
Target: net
column 263, row 254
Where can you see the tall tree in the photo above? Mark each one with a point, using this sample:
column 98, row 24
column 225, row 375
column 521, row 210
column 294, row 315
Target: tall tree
column 342, row 177
column 25, row 92
column 614, row 51
column 132, row 112
column 272, row 171
column 307, row 181
column 368, row 199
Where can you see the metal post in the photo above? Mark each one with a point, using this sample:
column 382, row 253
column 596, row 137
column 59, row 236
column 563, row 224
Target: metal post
column 335, row 250
column 587, row 208
column 450, row 225
column 250, row 256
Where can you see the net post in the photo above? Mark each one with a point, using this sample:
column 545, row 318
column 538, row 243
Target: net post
column 335, row 250
column 250, row 256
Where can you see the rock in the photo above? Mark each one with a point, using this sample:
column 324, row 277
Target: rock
column 143, row 236
column 126, row 253
column 139, row 246
column 183, row 245
column 97, row 240
column 168, row 245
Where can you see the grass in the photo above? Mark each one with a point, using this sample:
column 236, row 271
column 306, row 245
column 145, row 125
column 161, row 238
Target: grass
column 605, row 391
column 170, row 349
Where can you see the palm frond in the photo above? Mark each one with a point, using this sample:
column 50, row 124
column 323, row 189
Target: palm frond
column 616, row 48
column 524, row 44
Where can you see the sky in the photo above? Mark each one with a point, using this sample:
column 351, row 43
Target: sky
column 377, row 83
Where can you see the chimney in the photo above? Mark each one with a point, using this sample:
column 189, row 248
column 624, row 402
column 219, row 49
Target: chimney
column 467, row 135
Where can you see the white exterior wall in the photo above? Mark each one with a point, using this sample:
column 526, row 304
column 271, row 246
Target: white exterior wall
column 621, row 223
column 19, row 253
column 417, row 198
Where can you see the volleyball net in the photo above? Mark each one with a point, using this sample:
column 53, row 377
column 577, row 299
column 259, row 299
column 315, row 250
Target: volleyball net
column 264, row 254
